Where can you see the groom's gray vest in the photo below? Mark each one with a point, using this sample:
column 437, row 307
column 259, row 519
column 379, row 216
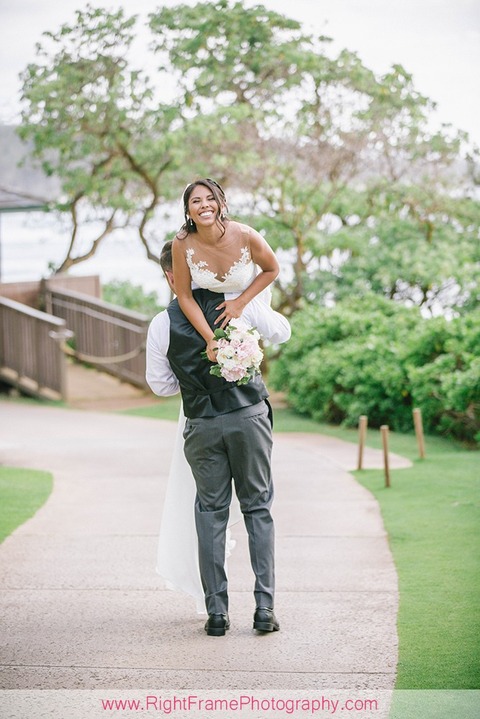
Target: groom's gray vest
column 203, row 394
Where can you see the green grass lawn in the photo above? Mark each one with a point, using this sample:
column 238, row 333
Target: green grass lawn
column 164, row 408
column 432, row 516
column 23, row 491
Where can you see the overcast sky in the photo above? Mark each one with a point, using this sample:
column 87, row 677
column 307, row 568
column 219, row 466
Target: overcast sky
column 437, row 41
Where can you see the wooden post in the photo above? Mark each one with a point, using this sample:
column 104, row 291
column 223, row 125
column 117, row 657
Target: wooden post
column 384, row 431
column 362, row 433
column 417, row 421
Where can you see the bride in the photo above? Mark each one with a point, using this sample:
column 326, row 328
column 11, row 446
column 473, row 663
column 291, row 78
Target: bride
column 212, row 252
column 220, row 255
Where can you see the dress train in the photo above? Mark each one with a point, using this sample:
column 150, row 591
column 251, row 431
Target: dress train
column 177, row 556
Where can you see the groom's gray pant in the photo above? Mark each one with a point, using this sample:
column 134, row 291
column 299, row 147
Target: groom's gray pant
column 238, row 446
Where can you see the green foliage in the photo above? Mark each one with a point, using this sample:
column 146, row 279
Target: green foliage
column 372, row 356
column 414, row 243
column 132, row 297
column 448, row 395
column 84, row 63
column 338, row 166
column 221, row 47
column 93, row 124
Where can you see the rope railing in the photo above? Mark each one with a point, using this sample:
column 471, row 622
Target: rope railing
column 101, row 330
column 62, row 337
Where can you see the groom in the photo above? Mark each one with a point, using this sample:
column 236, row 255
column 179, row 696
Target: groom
column 228, row 436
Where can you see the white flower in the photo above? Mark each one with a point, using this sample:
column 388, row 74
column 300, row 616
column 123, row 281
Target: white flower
column 238, row 355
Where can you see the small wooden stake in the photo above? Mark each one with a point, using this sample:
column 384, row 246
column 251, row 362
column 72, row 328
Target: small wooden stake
column 417, row 421
column 362, row 433
column 384, row 431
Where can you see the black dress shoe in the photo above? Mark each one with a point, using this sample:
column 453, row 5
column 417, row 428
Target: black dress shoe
column 216, row 624
column 264, row 620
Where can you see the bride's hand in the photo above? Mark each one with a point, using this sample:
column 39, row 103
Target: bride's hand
column 231, row 310
column 212, row 346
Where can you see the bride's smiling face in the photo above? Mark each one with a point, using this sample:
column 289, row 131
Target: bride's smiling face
column 202, row 206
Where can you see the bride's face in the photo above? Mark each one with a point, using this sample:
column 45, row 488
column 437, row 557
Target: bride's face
column 202, row 206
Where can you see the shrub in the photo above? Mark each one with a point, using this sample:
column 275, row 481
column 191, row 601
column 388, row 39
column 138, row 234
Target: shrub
column 132, row 297
column 372, row 356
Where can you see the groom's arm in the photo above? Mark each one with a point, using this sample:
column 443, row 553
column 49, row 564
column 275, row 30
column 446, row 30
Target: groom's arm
column 159, row 375
column 273, row 327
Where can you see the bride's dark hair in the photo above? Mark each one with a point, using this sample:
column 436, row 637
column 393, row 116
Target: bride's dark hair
column 189, row 225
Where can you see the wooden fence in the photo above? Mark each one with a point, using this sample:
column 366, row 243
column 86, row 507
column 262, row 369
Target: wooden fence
column 106, row 336
column 30, row 292
column 31, row 357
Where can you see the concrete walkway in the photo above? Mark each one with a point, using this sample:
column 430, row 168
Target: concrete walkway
column 82, row 607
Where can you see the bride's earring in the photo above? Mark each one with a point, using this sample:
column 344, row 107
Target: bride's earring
column 190, row 223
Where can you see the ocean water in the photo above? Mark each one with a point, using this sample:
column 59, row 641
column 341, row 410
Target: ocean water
column 30, row 241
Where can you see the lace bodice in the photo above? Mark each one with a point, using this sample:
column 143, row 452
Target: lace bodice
column 239, row 276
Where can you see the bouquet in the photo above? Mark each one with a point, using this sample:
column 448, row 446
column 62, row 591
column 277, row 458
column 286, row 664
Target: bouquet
column 238, row 354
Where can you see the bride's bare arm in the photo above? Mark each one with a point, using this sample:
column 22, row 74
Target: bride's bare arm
column 263, row 256
column 188, row 304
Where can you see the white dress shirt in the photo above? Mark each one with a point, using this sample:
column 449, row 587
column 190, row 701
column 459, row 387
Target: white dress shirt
column 272, row 326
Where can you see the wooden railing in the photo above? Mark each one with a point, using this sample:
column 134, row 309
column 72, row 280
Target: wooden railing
column 106, row 336
column 31, row 357
column 29, row 292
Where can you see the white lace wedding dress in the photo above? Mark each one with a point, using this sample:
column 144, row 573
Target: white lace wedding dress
column 177, row 559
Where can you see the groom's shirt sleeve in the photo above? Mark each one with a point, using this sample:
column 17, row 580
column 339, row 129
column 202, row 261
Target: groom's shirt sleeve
column 273, row 327
column 159, row 375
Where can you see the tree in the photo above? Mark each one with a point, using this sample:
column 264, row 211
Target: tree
column 319, row 145
column 224, row 53
column 92, row 124
column 353, row 195
column 419, row 246
column 235, row 69
column 337, row 166
column 255, row 72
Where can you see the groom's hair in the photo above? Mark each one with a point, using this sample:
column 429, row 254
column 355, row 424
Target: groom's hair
column 166, row 257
